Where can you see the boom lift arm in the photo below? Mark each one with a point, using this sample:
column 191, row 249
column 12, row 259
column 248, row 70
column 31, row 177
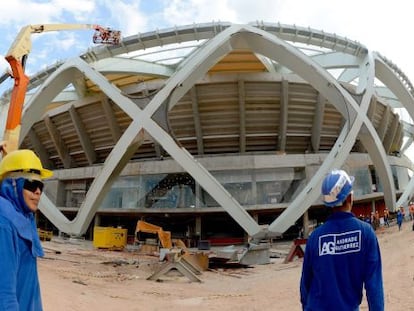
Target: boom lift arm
column 17, row 56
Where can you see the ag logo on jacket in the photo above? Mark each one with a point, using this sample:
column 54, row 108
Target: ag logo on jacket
column 340, row 243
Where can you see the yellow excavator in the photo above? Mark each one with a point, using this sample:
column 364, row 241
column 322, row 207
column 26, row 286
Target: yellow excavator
column 164, row 237
column 197, row 259
column 17, row 57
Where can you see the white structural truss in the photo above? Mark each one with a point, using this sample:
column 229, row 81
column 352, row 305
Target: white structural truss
column 270, row 41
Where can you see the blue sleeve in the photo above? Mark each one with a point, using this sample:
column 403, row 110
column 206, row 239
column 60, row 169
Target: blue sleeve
column 8, row 269
column 373, row 277
column 307, row 274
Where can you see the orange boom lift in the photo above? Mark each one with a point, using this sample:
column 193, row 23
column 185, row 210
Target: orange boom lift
column 17, row 57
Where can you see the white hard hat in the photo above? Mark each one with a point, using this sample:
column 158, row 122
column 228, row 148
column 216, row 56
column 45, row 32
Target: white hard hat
column 336, row 187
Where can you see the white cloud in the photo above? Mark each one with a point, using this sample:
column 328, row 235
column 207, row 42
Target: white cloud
column 20, row 13
column 125, row 16
column 4, row 65
column 77, row 7
column 178, row 12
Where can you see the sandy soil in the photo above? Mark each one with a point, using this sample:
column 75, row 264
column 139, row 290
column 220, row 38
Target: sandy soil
column 75, row 276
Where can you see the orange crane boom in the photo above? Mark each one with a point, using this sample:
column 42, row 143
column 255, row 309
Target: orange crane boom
column 17, row 56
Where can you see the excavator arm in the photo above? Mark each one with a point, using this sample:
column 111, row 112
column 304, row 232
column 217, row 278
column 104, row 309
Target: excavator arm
column 163, row 236
column 17, row 56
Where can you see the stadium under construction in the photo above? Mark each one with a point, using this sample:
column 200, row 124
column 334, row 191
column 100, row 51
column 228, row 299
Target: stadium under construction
column 218, row 131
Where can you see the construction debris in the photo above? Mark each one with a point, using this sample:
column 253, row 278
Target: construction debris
column 296, row 250
column 180, row 263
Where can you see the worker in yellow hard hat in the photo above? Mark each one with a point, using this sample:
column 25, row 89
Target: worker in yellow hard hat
column 21, row 175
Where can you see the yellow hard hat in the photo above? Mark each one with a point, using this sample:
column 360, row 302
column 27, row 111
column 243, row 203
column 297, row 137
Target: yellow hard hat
column 23, row 160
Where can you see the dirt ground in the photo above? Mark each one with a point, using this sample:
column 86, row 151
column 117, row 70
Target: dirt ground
column 75, row 276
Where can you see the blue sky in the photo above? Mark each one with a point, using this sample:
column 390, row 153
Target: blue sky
column 378, row 26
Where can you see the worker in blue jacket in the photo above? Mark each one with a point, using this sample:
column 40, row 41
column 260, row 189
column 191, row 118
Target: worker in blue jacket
column 21, row 175
column 342, row 256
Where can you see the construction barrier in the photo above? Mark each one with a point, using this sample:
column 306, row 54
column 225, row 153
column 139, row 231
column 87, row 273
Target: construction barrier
column 296, row 250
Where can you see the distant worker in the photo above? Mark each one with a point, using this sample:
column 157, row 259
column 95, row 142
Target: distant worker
column 402, row 212
column 377, row 220
column 386, row 217
column 21, row 174
column 411, row 210
column 400, row 217
column 342, row 256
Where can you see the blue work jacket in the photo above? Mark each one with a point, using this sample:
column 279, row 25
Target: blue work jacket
column 19, row 248
column 341, row 257
column 399, row 217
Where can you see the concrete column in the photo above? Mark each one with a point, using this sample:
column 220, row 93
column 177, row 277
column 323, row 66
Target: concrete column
column 181, row 198
column 198, row 192
column 254, row 188
column 198, row 227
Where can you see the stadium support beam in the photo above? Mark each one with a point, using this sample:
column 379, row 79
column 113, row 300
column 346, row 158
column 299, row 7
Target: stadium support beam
column 196, row 118
column 58, row 142
column 284, row 114
column 389, row 77
column 39, row 148
column 110, row 117
column 242, row 116
column 83, row 136
column 384, row 123
column 389, row 138
column 317, row 123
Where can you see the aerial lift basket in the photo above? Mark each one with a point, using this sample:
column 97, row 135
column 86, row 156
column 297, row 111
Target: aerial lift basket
column 106, row 36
